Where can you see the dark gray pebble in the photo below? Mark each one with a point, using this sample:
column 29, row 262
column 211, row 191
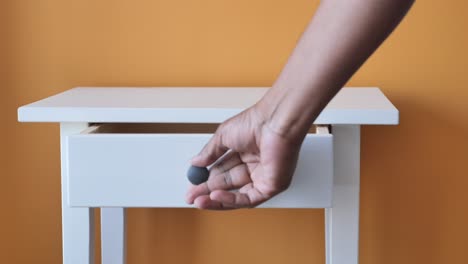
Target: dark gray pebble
column 197, row 175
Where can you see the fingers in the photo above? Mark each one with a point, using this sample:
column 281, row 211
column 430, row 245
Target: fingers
column 204, row 202
column 229, row 173
column 211, row 152
column 248, row 196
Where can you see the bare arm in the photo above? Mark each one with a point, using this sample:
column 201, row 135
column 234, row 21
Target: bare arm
column 265, row 139
column 338, row 40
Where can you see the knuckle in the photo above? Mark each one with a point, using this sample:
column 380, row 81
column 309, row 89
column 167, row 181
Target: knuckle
column 210, row 156
column 221, row 128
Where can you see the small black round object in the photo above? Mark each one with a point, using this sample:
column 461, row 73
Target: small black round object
column 197, row 175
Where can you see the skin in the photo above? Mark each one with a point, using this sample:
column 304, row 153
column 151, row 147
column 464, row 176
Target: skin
column 261, row 144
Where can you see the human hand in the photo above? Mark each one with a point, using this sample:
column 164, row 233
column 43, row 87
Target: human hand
column 259, row 165
column 265, row 139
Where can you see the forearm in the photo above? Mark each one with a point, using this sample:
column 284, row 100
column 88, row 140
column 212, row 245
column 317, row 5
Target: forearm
column 338, row 40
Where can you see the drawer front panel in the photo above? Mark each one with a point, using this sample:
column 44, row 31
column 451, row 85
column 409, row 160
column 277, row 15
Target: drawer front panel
column 149, row 170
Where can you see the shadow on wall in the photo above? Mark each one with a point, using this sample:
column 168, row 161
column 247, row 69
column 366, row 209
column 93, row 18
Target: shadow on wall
column 413, row 187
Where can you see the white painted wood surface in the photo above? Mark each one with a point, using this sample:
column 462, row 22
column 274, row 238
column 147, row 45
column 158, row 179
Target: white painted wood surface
column 77, row 223
column 342, row 220
column 113, row 235
column 149, row 170
column 194, row 105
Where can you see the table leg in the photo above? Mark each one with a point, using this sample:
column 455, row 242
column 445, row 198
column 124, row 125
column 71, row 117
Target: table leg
column 113, row 235
column 342, row 220
column 77, row 223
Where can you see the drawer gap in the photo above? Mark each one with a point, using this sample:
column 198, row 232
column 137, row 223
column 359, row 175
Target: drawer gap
column 167, row 128
column 150, row 128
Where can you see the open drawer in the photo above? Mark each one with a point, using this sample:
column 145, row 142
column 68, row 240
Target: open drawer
column 145, row 165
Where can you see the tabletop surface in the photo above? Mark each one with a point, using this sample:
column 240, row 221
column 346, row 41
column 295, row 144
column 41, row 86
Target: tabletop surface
column 193, row 105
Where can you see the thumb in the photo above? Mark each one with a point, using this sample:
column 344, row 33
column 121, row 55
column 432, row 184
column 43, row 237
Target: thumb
column 211, row 152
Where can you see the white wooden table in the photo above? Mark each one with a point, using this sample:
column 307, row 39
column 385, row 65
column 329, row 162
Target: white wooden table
column 118, row 151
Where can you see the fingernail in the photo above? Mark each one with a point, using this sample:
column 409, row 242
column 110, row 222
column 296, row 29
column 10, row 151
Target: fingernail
column 188, row 199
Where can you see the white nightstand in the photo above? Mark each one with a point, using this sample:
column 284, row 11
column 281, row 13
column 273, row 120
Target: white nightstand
column 118, row 151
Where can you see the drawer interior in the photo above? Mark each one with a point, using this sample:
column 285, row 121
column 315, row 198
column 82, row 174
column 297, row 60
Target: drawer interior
column 150, row 128
column 167, row 128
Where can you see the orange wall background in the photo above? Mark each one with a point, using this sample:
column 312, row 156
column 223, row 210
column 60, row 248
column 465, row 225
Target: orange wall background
column 414, row 176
